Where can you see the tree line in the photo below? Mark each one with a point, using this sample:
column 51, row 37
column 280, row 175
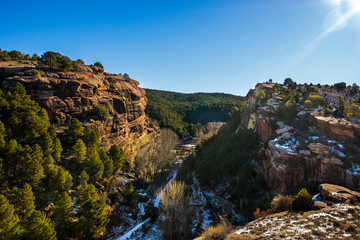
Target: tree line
column 180, row 112
column 51, row 185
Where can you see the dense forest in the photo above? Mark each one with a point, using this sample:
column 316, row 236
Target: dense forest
column 225, row 160
column 52, row 185
column 180, row 112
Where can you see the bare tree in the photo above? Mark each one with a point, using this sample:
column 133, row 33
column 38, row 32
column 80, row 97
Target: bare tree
column 175, row 211
column 149, row 163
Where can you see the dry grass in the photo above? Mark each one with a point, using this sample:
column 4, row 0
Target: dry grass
column 337, row 222
column 244, row 236
column 281, row 203
column 218, row 232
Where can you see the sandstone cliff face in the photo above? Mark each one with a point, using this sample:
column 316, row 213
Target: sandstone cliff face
column 76, row 94
column 324, row 150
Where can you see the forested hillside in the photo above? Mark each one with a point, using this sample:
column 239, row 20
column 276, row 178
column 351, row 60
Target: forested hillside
column 180, row 112
column 52, row 185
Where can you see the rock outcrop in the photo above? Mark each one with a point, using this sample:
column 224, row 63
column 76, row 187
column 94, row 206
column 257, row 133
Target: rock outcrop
column 316, row 152
column 77, row 94
column 338, row 194
column 338, row 126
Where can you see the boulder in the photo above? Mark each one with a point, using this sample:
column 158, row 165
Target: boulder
column 264, row 129
column 320, row 149
column 338, row 194
column 338, row 126
column 305, row 152
column 286, row 136
column 284, row 130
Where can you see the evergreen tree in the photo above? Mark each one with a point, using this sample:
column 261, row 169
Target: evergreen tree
column 74, row 131
column 117, row 156
column 23, row 201
column 63, row 215
column 2, row 135
column 4, row 186
column 38, row 226
column 94, row 165
column 53, row 59
column 58, row 179
column 108, row 164
column 79, row 151
column 32, row 171
column 57, row 150
column 9, row 222
column 90, row 137
column 92, row 213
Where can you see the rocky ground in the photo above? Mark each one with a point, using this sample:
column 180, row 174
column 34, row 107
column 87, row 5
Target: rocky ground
column 338, row 218
column 308, row 150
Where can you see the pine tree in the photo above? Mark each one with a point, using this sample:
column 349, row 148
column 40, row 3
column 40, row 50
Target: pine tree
column 23, row 201
column 92, row 213
column 38, row 226
column 57, row 150
column 79, row 151
column 2, row 135
column 117, row 156
column 4, row 186
column 63, row 215
column 74, row 131
column 94, row 165
column 58, row 179
column 108, row 164
column 9, row 222
column 32, row 171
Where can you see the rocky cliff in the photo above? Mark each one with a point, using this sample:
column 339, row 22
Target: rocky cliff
column 311, row 148
column 66, row 94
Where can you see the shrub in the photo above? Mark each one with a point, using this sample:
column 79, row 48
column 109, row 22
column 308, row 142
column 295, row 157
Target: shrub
column 260, row 95
column 258, row 213
column 302, row 201
column 317, row 100
column 34, row 73
column 281, row 203
column 308, row 104
column 98, row 64
column 101, row 113
column 218, row 232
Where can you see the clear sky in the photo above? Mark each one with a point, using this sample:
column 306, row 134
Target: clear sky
column 195, row 45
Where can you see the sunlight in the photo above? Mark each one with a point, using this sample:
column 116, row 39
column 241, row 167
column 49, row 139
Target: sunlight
column 352, row 6
column 355, row 5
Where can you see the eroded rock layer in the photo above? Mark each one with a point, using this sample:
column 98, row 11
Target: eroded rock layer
column 312, row 148
column 77, row 94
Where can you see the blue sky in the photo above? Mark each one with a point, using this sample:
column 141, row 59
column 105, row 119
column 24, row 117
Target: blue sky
column 196, row 45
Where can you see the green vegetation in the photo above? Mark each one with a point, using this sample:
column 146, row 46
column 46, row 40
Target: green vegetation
column 40, row 173
column 101, row 113
column 225, row 157
column 98, row 64
column 180, row 112
column 302, row 201
column 54, row 60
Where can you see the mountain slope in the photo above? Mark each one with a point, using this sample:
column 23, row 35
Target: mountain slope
column 180, row 112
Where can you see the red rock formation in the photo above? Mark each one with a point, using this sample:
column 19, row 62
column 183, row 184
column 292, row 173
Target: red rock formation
column 76, row 94
column 290, row 159
column 338, row 126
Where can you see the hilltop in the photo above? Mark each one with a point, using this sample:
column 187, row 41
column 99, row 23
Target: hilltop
column 181, row 112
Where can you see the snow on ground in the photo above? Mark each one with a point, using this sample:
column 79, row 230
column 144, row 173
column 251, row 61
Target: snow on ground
column 340, row 222
column 354, row 170
column 129, row 233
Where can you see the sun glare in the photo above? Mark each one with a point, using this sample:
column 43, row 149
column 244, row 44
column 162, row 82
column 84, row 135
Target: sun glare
column 351, row 5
